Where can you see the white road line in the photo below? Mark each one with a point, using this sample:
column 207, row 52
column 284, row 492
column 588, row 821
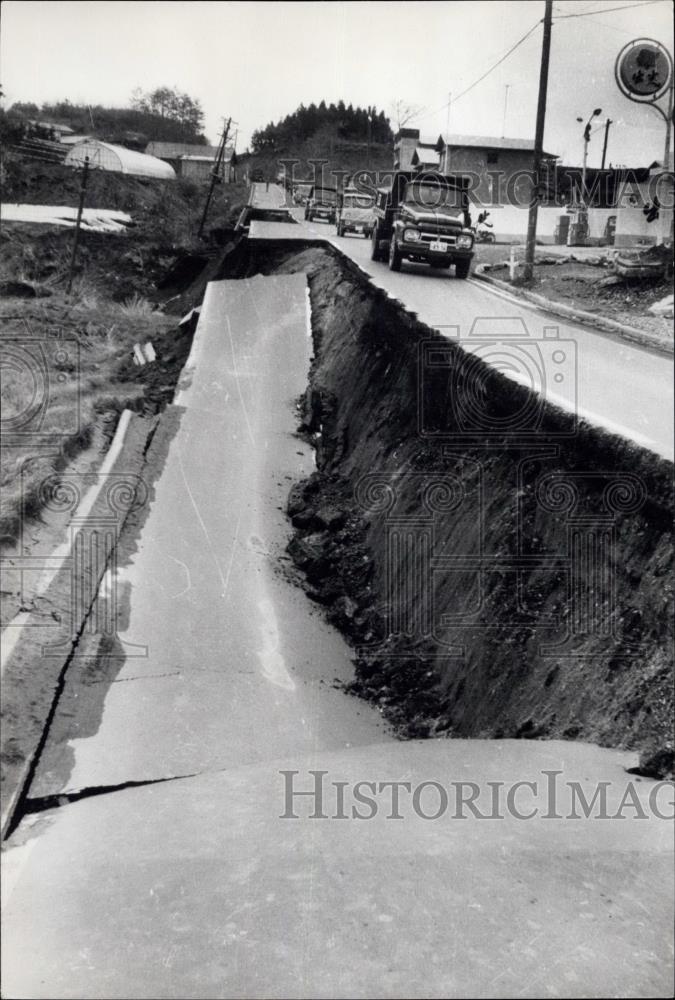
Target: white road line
column 9, row 639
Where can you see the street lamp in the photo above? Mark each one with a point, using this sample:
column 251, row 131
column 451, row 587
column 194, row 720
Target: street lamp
column 587, row 139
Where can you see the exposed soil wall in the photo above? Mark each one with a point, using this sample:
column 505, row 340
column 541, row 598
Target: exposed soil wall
column 513, row 583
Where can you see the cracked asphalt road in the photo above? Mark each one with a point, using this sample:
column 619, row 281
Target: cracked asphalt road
column 196, row 887
column 217, row 651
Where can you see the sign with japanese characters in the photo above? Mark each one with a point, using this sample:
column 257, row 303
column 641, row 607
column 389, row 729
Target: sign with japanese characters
column 644, row 70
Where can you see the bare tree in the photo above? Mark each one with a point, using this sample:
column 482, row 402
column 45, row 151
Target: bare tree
column 402, row 112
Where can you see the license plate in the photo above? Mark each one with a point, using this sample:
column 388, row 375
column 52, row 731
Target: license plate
column 358, row 229
column 438, row 247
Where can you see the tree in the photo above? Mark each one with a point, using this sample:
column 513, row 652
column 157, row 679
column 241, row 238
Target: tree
column 25, row 108
column 326, row 124
column 402, row 113
column 171, row 103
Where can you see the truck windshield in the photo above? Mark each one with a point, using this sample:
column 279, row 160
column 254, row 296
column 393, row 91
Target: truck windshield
column 325, row 195
column 434, row 196
column 357, row 201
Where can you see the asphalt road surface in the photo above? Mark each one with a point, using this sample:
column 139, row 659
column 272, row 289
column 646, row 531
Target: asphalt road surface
column 222, row 666
column 624, row 388
column 198, row 888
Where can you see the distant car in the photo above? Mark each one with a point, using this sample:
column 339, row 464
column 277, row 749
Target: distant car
column 355, row 213
column 257, row 176
column 321, row 204
column 301, row 193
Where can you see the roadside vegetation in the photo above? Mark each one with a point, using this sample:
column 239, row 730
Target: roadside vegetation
column 162, row 115
column 75, row 353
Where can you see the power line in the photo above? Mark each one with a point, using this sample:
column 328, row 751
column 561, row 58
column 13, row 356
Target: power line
column 605, row 10
column 487, row 72
column 499, row 62
column 556, row 17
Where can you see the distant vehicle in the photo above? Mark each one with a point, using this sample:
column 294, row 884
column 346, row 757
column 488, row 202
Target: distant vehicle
column 355, row 213
column 257, row 176
column 301, row 193
column 424, row 218
column 321, row 204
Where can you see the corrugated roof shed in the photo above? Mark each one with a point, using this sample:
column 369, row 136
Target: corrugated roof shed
column 229, row 151
column 173, row 150
column 54, row 126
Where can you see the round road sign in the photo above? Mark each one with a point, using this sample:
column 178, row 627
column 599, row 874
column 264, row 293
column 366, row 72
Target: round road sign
column 644, row 70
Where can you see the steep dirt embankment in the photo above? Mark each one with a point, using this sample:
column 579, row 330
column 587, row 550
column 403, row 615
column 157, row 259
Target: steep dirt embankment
column 506, row 585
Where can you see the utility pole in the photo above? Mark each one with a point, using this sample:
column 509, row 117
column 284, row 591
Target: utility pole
column 669, row 121
column 446, row 168
column 506, row 101
column 587, row 139
column 604, row 148
column 233, row 171
column 665, row 233
column 538, row 142
column 214, row 175
column 76, row 240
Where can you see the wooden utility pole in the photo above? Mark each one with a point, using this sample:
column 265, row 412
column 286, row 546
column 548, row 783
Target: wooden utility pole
column 214, row 176
column 604, row 147
column 538, row 143
column 76, row 240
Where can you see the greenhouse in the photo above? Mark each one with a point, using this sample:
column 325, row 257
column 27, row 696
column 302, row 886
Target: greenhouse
column 119, row 159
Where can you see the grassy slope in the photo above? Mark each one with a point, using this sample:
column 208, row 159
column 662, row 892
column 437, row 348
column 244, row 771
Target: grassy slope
column 75, row 353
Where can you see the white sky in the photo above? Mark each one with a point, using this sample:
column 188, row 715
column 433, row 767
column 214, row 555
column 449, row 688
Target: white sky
column 258, row 61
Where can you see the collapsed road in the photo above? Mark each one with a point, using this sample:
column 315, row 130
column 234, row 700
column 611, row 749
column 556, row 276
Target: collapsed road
column 222, row 674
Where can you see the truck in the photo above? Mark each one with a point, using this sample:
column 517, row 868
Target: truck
column 424, row 218
column 321, row 204
column 355, row 213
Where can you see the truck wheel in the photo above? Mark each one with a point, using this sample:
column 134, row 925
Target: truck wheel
column 462, row 268
column 394, row 256
column 375, row 253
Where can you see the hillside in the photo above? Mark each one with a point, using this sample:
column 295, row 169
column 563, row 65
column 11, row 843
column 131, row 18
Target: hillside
column 347, row 138
column 130, row 126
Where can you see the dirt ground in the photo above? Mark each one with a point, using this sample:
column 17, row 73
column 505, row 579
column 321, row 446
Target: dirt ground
column 581, row 285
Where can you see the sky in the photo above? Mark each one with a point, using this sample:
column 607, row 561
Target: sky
column 258, row 61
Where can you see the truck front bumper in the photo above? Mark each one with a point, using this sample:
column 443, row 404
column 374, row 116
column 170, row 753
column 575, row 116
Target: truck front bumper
column 420, row 253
